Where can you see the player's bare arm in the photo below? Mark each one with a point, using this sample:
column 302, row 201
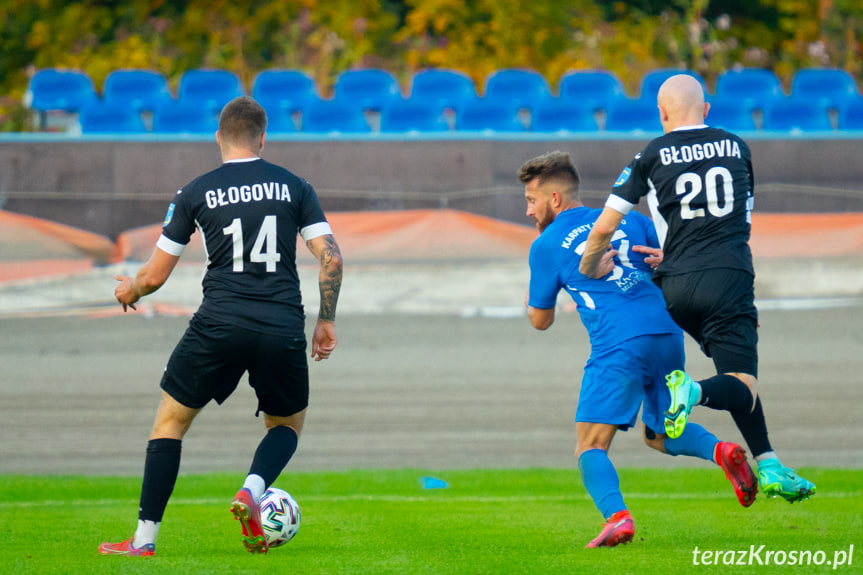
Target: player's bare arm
column 597, row 260
column 326, row 250
column 152, row 275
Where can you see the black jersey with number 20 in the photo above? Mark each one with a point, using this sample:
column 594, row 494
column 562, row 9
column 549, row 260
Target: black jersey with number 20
column 699, row 187
column 249, row 214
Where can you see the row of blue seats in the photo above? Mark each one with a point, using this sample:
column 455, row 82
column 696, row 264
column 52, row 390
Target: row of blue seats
column 70, row 90
column 554, row 115
column 285, row 92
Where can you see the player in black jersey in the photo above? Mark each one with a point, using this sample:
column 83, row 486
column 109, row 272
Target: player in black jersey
column 251, row 319
column 699, row 186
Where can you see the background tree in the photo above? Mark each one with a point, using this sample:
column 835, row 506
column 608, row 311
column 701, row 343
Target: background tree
column 326, row 37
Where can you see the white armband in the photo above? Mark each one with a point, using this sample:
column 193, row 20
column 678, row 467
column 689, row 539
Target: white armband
column 315, row 230
column 618, row 204
column 169, row 246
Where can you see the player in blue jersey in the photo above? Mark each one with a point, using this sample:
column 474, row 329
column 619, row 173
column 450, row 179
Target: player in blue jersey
column 251, row 319
column 634, row 342
column 699, row 185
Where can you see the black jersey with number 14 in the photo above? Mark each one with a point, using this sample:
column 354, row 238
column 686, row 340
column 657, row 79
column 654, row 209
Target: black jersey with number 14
column 249, row 214
column 699, row 187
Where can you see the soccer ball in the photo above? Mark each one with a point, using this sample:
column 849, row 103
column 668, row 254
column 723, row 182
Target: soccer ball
column 280, row 516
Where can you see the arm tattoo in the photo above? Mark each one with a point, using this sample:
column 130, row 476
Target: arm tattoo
column 330, row 279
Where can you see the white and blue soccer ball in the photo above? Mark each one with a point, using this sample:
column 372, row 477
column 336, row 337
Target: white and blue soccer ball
column 280, row 516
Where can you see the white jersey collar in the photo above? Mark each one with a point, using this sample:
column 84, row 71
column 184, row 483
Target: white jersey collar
column 241, row 160
column 682, row 128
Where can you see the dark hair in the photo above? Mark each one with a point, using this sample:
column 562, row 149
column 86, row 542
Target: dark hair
column 242, row 122
column 555, row 165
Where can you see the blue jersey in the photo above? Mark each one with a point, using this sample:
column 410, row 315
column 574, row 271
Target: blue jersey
column 622, row 305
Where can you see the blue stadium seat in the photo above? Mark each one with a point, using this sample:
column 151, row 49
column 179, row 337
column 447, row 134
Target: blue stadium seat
column 597, row 89
column 559, row 114
column 137, row 89
column 280, row 120
column 111, row 118
column 492, row 115
column 184, row 118
column 54, row 89
column 412, row 116
column 628, row 115
column 443, row 88
column 366, row 88
column 756, row 87
column 211, row 89
column 519, row 87
column 327, row 116
column 796, row 114
column 652, row 81
column 289, row 89
column 830, row 87
column 851, row 115
column 730, row 114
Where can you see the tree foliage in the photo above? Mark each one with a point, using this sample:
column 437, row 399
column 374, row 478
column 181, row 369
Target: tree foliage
column 819, row 33
column 325, row 37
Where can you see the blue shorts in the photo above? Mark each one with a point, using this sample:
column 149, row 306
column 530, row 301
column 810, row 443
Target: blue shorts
column 616, row 382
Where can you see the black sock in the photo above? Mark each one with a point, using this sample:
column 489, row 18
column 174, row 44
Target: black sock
column 273, row 453
column 160, row 473
column 753, row 428
column 727, row 393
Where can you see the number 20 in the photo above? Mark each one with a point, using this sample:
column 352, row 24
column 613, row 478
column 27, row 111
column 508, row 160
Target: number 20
column 690, row 185
column 264, row 249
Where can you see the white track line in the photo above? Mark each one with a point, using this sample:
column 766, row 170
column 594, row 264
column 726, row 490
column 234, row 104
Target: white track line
column 441, row 497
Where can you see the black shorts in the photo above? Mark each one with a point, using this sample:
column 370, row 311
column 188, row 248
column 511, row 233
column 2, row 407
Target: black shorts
column 717, row 308
column 210, row 359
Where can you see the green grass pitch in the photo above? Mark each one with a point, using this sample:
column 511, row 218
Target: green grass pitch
column 486, row 521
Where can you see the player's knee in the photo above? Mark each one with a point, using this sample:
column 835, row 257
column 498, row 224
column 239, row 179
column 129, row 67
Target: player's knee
column 653, row 440
column 296, row 428
column 602, row 443
column 294, row 421
column 581, row 449
column 751, row 382
column 591, row 443
column 658, row 444
column 168, row 430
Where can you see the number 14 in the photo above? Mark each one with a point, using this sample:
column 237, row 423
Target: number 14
column 264, row 249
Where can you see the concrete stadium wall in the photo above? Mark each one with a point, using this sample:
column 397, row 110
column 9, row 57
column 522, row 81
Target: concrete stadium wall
column 112, row 186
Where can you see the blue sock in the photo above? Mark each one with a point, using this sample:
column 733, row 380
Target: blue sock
column 695, row 442
column 600, row 479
